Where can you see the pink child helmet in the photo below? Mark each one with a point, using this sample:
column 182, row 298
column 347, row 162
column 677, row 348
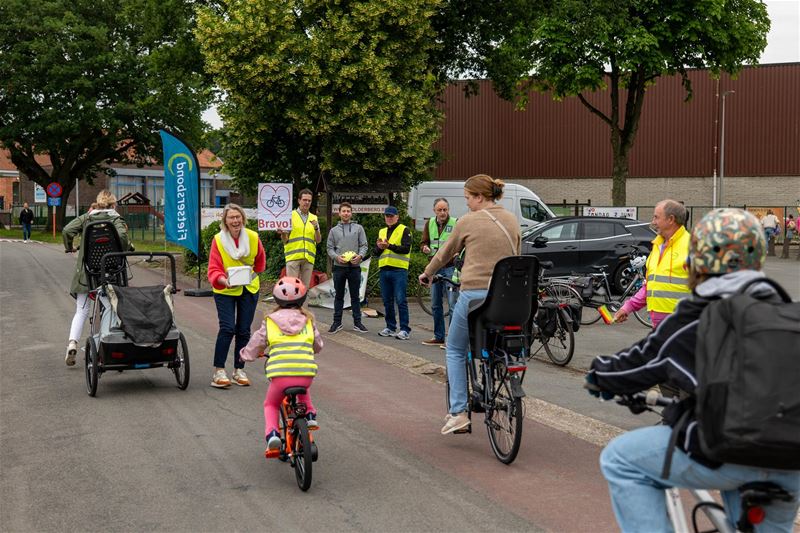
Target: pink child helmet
column 289, row 292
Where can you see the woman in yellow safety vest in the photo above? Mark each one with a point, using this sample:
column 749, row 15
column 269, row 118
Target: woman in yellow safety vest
column 234, row 246
column 291, row 339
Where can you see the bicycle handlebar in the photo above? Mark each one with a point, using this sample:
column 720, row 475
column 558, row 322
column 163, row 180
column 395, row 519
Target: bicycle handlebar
column 438, row 278
column 644, row 401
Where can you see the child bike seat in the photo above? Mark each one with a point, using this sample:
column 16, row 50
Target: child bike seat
column 511, row 300
column 293, row 391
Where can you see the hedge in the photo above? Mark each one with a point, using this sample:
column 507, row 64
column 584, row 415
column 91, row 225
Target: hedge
column 274, row 249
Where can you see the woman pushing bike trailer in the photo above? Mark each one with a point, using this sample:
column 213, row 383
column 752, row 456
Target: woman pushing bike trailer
column 731, row 347
column 290, row 339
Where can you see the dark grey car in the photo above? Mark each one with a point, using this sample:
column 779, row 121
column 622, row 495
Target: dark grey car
column 577, row 244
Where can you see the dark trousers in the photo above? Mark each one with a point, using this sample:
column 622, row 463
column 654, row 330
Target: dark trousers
column 393, row 289
column 235, row 315
column 352, row 277
column 26, row 231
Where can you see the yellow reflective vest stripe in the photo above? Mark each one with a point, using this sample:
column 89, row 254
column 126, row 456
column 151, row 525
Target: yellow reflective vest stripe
column 290, row 355
column 228, row 262
column 668, row 278
column 390, row 258
column 302, row 243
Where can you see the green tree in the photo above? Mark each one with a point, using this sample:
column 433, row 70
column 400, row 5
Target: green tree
column 89, row 82
column 573, row 47
column 342, row 88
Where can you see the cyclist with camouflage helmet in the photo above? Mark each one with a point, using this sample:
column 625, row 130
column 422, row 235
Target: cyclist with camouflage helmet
column 727, row 250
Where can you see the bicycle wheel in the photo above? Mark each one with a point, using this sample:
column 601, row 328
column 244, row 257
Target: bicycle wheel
column 91, row 362
column 589, row 315
column 181, row 364
column 504, row 416
column 563, row 293
column 424, row 298
column 644, row 318
column 561, row 346
column 302, row 454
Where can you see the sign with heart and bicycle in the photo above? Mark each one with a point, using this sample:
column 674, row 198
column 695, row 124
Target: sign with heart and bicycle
column 274, row 206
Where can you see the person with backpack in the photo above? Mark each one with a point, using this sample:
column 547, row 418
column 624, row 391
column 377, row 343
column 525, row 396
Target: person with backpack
column 733, row 342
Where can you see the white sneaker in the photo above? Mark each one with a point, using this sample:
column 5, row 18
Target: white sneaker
column 386, row 332
column 220, row 380
column 72, row 350
column 240, row 378
column 455, row 422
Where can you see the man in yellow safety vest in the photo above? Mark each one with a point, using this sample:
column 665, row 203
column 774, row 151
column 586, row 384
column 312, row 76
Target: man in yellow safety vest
column 393, row 250
column 300, row 244
column 667, row 276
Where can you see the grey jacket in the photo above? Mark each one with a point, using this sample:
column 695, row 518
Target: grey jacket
column 346, row 238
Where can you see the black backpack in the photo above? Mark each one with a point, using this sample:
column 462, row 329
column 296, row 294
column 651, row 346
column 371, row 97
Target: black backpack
column 747, row 364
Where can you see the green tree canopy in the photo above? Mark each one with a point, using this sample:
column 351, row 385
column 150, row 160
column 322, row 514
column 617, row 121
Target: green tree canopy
column 310, row 86
column 89, row 82
column 572, row 47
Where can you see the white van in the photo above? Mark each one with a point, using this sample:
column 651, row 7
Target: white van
column 528, row 208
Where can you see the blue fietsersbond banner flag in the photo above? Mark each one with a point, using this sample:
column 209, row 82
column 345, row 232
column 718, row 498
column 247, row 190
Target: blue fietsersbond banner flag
column 181, row 193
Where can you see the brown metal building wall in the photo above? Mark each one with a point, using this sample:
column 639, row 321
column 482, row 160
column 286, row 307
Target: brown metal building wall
column 675, row 138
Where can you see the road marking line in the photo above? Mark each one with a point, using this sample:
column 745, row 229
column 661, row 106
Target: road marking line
column 565, row 420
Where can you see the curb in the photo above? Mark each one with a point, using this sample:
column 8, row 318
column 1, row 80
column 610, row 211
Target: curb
column 565, row 420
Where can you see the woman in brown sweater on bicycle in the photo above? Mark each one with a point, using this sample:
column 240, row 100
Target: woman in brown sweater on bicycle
column 488, row 233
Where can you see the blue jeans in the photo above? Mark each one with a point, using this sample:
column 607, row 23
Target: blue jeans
column 235, row 314
column 352, row 277
column 393, row 289
column 457, row 348
column 26, row 231
column 438, row 291
column 632, row 462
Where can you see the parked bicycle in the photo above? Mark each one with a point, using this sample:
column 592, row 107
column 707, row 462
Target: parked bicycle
column 595, row 289
column 500, row 331
column 558, row 305
column 297, row 442
column 755, row 496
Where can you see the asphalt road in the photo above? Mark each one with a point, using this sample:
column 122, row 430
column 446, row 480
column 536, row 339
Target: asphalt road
column 144, row 455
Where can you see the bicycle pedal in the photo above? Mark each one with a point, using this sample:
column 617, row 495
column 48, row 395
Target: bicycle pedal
column 467, row 429
column 272, row 454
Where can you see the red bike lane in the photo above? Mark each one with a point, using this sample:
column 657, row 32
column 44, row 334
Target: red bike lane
column 555, row 482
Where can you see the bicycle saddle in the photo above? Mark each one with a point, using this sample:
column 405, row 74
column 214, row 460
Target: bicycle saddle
column 599, row 267
column 546, row 265
column 293, row 391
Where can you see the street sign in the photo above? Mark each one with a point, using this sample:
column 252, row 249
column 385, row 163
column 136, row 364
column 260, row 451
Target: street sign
column 39, row 196
column 54, row 189
column 54, row 201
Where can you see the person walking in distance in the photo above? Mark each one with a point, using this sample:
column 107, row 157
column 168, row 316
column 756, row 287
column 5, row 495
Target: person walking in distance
column 347, row 246
column 234, row 246
column 436, row 232
column 300, row 244
column 393, row 249
column 667, row 276
column 26, row 219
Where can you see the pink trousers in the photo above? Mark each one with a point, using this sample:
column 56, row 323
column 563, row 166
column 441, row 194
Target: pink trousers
column 272, row 401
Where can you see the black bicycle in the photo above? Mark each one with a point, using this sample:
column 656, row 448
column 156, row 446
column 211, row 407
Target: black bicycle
column 500, row 331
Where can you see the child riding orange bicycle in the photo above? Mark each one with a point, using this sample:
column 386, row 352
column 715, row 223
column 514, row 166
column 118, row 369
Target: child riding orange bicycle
column 290, row 339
